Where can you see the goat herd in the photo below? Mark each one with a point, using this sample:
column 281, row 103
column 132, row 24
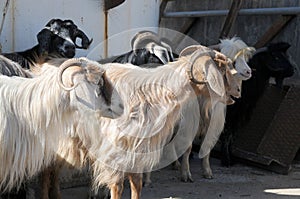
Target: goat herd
column 127, row 118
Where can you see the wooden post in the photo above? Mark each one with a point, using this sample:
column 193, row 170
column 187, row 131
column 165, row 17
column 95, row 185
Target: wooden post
column 273, row 30
column 231, row 17
column 162, row 8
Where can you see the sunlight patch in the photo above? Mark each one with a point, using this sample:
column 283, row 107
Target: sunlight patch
column 287, row 192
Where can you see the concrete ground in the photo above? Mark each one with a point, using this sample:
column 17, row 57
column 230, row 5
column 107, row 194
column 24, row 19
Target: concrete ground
column 238, row 181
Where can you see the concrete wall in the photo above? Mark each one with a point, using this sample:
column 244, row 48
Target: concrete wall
column 25, row 18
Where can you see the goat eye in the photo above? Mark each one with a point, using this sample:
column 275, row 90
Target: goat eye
column 233, row 64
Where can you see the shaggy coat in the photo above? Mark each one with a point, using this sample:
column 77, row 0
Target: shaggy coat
column 155, row 100
column 35, row 112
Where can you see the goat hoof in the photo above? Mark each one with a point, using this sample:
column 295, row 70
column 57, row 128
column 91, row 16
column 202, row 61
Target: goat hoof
column 208, row 176
column 187, row 179
column 147, row 184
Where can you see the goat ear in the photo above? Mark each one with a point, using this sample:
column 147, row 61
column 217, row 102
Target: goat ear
column 215, row 78
column 161, row 53
column 44, row 40
column 106, row 89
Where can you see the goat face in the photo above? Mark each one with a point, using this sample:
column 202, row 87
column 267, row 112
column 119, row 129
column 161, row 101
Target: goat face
column 64, row 46
column 89, row 89
column 275, row 60
column 218, row 71
column 59, row 36
column 241, row 66
column 238, row 51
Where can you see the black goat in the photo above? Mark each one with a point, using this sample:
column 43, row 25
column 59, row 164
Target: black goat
column 58, row 39
column 148, row 50
column 270, row 61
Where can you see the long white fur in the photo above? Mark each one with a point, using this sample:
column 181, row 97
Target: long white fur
column 215, row 117
column 155, row 100
column 34, row 113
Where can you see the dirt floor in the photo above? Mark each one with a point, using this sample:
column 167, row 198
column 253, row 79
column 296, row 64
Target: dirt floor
column 238, row 181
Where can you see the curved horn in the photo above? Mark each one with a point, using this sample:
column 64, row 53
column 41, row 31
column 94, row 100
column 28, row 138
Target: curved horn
column 195, row 55
column 85, row 42
column 164, row 42
column 68, row 63
column 189, row 50
column 139, row 40
column 263, row 49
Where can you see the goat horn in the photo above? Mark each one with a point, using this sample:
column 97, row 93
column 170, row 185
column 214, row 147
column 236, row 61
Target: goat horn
column 197, row 54
column 189, row 50
column 259, row 50
column 139, row 40
column 68, row 63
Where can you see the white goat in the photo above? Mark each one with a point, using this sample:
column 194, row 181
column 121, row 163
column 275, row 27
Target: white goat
column 155, row 101
column 35, row 112
column 213, row 112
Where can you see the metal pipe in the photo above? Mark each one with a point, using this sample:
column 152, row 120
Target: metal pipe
column 253, row 11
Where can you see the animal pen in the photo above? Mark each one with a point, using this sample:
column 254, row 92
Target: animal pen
column 271, row 139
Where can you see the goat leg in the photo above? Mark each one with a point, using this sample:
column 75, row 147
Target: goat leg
column 116, row 189
column 136, row 184
column 186, row 175
column 207, row 172
column 147, row 181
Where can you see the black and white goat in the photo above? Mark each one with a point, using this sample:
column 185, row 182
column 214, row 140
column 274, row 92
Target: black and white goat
column 148, row 50
column 57, row 38
column 267, row 62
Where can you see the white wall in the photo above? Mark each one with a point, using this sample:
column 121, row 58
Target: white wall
column 25, row 18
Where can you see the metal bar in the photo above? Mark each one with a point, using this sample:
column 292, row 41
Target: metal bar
column 253, row 11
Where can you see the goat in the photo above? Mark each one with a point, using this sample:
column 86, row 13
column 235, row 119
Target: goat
column 58, row 39
column 213, row 112
column 11, row 68
column 35, row 111
column 212, row 116
column 155, row 101
column 148, row 50
column 269, row 61
column 239, row 53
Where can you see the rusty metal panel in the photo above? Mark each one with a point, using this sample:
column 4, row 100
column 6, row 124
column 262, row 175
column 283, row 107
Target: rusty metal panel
column 282, row 140
column 249, row 137
column 271, row 139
